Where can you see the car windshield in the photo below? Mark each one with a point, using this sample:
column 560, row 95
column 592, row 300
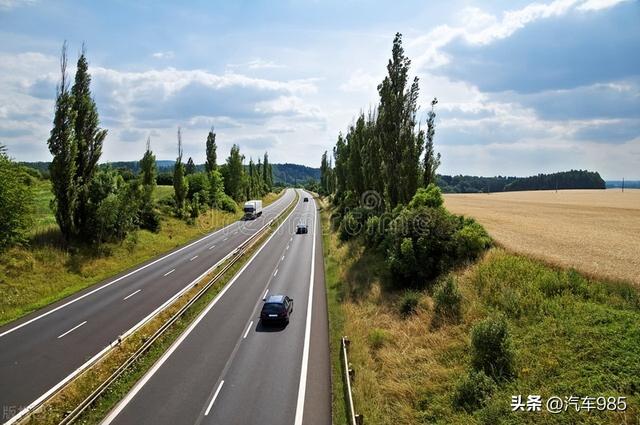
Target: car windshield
column 270, row 308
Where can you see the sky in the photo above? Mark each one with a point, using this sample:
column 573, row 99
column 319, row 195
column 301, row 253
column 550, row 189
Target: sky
column 523, row 87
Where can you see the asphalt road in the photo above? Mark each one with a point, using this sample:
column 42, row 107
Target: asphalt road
column 40, row 350
column 227, row 368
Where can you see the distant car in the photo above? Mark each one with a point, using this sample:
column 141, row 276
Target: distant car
column 305, row 199
column 302, row 229
column 276, row 309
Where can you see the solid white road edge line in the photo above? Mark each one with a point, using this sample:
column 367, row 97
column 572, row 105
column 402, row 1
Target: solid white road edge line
column 14, row 419
column 307, row 332
column 248, row 329
column 116, row 411
column 214, row 398
column 169, row 272
column 72, row 329
column 131, row 295
column 117, row 280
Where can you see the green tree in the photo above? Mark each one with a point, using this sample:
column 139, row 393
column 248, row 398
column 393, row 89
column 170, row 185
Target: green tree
column 89, row 139
column 16, row 200
column 210, row 164
column 148, row 168
column 179, row 182
column 190, row 168
column 64, row 148
column 149, row 218
column 431, row 159
column 267, row 173
column 234, row 178
column 400, row 145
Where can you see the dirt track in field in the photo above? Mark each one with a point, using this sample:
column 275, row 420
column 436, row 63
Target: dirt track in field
column 594, row 231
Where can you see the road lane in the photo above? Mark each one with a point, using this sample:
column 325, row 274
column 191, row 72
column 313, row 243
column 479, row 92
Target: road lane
column 32, row 357
column 229, row 368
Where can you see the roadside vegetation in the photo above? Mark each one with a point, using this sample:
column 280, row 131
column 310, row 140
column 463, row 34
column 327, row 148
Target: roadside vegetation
column 82, row 222
column 444, row 327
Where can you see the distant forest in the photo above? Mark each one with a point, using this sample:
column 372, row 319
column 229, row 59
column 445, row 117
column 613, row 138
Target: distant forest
column 574, row 179
column 283, row 174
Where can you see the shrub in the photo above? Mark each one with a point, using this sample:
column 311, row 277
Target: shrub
column 16, row 201
column 377, row 338
column 349, row 227
column 198, row 184
column 471, row 240
column 448, row 301
column 473, row 391
column 492, row 351
column 225, row 203
column 430, row 197
column 409, row 303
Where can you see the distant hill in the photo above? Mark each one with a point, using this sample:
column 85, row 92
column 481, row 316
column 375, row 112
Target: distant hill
column 574, row 179
column 285, row 174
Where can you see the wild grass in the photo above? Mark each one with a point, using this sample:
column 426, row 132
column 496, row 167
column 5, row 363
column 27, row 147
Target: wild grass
column 572, row 336
column 46, row 270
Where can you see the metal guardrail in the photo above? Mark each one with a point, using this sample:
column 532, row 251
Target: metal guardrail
column 234, row 255
column 349, row 374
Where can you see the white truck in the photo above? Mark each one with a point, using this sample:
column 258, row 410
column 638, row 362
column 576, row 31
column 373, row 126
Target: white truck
column 252, row 209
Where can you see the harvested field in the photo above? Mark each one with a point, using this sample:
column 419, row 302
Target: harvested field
column 594, row 231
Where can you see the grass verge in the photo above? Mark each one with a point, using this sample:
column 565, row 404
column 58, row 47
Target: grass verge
column 44, row 272
column 65, row 401
column 572, row 336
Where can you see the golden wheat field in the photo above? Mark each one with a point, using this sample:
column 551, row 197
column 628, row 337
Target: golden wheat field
column 594, row 231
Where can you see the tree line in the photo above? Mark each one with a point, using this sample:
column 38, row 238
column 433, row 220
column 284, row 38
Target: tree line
column 381, row 179
column 95, row 204
column 573, row 179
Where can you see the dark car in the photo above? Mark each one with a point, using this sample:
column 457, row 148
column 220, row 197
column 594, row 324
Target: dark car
column 276, row 309
column 305, row 199
column 302, row 229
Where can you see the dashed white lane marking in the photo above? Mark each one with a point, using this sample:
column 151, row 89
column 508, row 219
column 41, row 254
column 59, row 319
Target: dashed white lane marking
column 248, row 329
column 287, row 247
column 214, row 398
column 225, row 239
column 72, row 329
column 212, row 246
column 169, row 272
column 275, row 273
column 282, row 259
column 131, row 295
column 265, row 294
column 193, row 258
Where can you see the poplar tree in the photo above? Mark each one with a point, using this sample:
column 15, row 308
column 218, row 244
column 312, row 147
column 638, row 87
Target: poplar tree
column 267, row 173
column 190, row 168
column 179, row 181
column 431, row 159
column 89, row 139
column 63, row 146
column 149, row 218
column 234, row 179
column 210, row 163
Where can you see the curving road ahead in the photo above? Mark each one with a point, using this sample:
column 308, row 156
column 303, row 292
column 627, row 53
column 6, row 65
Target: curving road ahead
column 227, row 368
column 41, row 350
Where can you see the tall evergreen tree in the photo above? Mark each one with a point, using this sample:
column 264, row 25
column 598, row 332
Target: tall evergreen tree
column 431, row 159
column 234, row 180
column 267, row 173
column 149, row 218
column 399, row 145
column 148, row 167
column 179, row 182
column 63, row 146
column 324, row 174
column 190, row 168
column 210, row 163
column 89, row 139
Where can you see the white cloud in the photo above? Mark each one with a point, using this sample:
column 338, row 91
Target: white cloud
column 599, row 4
column 361, row 81
column 163, row 55
column 11, row 4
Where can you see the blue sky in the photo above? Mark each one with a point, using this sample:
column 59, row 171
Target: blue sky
column 523, row 87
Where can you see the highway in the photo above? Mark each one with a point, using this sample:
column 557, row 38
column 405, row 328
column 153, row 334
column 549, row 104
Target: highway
column 42, row 349
column 227, row 368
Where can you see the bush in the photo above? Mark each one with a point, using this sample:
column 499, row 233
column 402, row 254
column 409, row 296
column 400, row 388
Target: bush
column 448, row 301
column 349, row 227
column 471, row 240
column 409, row 303
column 430, row 197
column 225, row 203
column 377, row 338
column 16, row 201
column 198, row 185
column 492, row 351
column 473, row 391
